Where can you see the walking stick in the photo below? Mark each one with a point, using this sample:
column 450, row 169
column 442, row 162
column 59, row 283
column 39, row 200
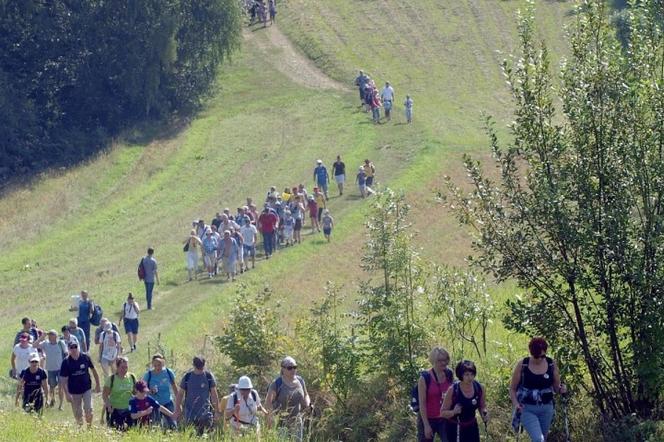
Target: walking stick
column 566, row 420
column 458, row 438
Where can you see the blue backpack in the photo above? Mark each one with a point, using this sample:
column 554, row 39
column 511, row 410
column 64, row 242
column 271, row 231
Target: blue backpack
column 426, row 374
column 97, row 314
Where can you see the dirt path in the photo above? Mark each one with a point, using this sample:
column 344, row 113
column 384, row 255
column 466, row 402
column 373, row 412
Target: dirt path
column 280, row 53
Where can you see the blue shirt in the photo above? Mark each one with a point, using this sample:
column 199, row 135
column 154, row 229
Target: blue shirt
column 320, row 172
column 162, row 381
column 210, row 244
column 84, row 311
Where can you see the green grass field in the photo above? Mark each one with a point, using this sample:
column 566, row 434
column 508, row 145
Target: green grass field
column 87, row 227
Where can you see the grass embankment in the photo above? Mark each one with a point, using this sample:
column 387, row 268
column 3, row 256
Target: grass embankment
column 87, row 227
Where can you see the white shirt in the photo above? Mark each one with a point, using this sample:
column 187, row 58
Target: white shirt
column 248, row 407
column 387, row 93
column 110, row 342
column 23, row 356
column 130, row 310
column 249, row 233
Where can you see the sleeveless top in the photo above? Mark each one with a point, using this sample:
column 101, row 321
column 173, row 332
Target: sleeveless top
column 469, row 405
column 540, row 384
column 435, row 392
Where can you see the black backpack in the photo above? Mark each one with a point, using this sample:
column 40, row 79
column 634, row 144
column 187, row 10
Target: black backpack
column 97, row 314
column 414, row 394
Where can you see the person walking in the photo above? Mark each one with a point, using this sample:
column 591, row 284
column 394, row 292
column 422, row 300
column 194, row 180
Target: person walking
column 431, row 388
column 267, row 224
column 79, row 334
column 249, row 234
column 339, row 174
column 313, row 212
column 461, row 403
column 228, row 254
column 76, row 381
column 272, row 4
column 151, row 275
column 129, row 318
column 118, row 390
column 388, row 97
column 85, row 310
column 361, row 180
column 197, row 400
column 321, row 202
column 26, row 328
column 321, row 177
column 328, row 223
column 287, row 398
column 210, row 246
column 535, row 379
column 110, row 349
column 160, row 381
column 33, row 383
column 193, row 247
column 408, row 106
column 55, row 351
column 145, row 409
column 370, row 171
column 361, row 81
column 243, row 406
column 21, row 354
column 375, row 105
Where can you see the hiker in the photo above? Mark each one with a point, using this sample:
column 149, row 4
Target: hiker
column 321, row 177
column 85, row 310
column 287, row 397
column 361, row 82
column 109, row 347
column 462, row 400
column 328, row 223
column 408, row 106
column 339, row 174
column 160, row 381
column 243, row 406
column 144, row 409
column 55, row 351
column 236, row 234
column 249, row 234
column 193, row 246
column 129, row 318
column 267, row 224
column 228, row 255
column 28, row 328
column 33, row 383
column 75, row 378
column 313, row 212
column 210, row 246
column 369, row 89
column 68, row 337
column 21, row 354
column 535, row 379
column 201, row 228
column 118, row 390
column 262, row 12
column 289, row 224
column 370, row 171
column 431, row 387
column 150, row 275
column 272, row 5
column 79, row 333
column 375, row 105
column 387, row 95
column 197, row 400
column 321, row 202
column 98, row 331
column 224, row 402
column 297, row 211
column 361, row 180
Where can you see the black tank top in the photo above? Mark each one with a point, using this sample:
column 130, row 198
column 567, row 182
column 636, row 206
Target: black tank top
column 468, row 405
column 534, row 381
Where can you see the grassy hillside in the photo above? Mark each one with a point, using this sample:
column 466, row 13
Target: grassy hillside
column 87, row 227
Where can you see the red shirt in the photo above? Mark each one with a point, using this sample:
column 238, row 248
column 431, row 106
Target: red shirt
column 435, row 393
column 268, row 222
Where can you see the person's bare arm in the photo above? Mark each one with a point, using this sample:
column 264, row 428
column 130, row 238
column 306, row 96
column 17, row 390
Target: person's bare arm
column 45, row 387
column 178, row 401
column 446, row 409
column 214, row 396
column 422, row 397
column 514, row 385
column 96, row 376
column 13, row 363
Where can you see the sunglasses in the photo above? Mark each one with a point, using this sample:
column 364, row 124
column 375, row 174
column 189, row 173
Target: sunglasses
column 73, row 346
column 34, row 362
column 292, row 367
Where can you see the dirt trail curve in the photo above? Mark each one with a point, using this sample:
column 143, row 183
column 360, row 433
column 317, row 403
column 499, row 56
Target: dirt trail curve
column 280, row 53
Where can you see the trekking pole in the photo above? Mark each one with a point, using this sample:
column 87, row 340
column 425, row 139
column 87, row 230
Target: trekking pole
column 458, row 438
column 566, row 420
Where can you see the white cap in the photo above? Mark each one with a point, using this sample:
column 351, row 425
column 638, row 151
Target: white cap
column 319, row 161
column 244, row 382
column 288, row 362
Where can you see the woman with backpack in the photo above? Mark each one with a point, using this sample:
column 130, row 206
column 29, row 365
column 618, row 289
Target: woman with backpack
column 431, row 388
column 462, row 400
column 160, row 381
column 243, row 406
column 287, row 397
column 534, row 381
column 129, row 317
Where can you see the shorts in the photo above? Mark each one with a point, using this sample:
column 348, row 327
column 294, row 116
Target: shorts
column 298, row 225
column 387, row 105
column 211, row 259
column 53, row 378
column 80, row 402
column 323, row 186
column 249, row 251
column 340, row 178
column 288, row 233
column 369, row 180
column 131, row 325
column 327, row 231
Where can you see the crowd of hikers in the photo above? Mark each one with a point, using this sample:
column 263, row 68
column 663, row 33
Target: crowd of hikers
column 371, row 99
column 257, row 11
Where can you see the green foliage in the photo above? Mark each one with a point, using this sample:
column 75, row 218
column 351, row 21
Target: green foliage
column 252, row 336
column 76, row 73
column 577, row 216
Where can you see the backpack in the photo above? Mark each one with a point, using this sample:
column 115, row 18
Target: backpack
column 97, row 314
column 254, row 396
column 141, row 270
column 523, row 392
column 63, row 349
column 170, row 376
column 133, row 381
column 279, row 382
column 477, row 392
column 414, row 393
column 208, row 375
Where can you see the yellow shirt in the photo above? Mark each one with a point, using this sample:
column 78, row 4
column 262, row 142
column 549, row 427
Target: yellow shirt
column 369, row 169
column 320, row 200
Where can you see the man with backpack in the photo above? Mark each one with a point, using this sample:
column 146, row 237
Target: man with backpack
column 86, row 310
column 129, row 318
column 197, row 400
column 427, row 397
column 147, row 272
column 109, row 348
column 287, row 397
column 118, row 390
column 55, row 351
column 242, row 407
column 160, row 381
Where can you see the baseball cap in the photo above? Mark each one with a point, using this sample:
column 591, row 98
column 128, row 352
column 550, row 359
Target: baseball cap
column 141, row 386
column 52, row 332
column 34, row 358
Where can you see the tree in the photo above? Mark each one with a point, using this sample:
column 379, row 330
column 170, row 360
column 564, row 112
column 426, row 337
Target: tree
column 576, row 216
